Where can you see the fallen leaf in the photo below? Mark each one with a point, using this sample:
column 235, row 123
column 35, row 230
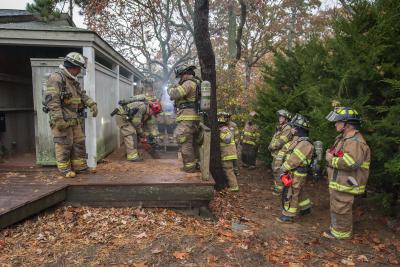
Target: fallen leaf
column 69, row 216
column 156, row 251
column 348, row 262
column 212, row 260
column 180, row 255
column 394, row 262
column 142, row 235
column 362, row 258
column 376, row 240
column 226, row 233
column 140, row 264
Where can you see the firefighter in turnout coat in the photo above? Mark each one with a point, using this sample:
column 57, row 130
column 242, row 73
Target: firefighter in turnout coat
column 228, row 151
column 282, row 136
column 250, row 141
column 236, row 135
column 137, row 119
column 298, row 156
column 348, row 163
column 185, row 95
column 65, row 102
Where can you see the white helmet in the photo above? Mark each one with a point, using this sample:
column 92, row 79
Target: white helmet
column 76, row 59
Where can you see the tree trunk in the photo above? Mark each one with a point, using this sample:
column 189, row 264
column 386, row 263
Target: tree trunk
column 232, row 36
column 248, row 77
column 207, row 64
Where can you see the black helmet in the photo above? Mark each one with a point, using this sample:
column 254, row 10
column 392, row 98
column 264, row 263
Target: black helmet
column 284, row 113
column 344, row 114
column 300, row 121
column 182, row 69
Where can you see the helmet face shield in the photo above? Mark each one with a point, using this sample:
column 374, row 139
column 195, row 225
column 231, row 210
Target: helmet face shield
column 333, row 116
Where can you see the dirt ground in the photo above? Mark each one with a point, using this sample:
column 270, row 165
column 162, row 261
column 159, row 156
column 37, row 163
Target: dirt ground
column 244, row 232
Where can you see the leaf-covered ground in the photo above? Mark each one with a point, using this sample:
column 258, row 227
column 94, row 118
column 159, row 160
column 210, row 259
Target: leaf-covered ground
column 243, row 233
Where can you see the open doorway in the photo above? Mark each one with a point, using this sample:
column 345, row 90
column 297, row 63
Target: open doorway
column 17, row 131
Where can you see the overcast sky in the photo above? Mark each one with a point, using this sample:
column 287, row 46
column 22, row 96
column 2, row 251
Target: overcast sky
column 78, row 19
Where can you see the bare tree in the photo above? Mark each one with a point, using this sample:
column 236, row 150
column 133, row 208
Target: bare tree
column 146, row 32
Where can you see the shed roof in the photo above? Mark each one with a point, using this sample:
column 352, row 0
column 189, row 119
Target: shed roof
column 56, row 33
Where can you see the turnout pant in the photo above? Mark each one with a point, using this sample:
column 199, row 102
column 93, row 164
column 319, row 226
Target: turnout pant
column 70, row 149
column 130, row 140
column 228, row 166
column 341, row 207
column 297, row 199
column 276, row 172
column 249, row 154
column 186, row 135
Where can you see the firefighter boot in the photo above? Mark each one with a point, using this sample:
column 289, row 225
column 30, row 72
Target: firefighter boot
column 285, row 219
column 305, row 212
column 69, row 174
column 233, row 189
column 138, row 159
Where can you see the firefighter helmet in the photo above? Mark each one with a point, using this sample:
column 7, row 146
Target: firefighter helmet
column 345, row 114
column 221, row 115
column 299, row 120
column 182, row 69
column 284, row 113
column 76, row 59
column 155, row 106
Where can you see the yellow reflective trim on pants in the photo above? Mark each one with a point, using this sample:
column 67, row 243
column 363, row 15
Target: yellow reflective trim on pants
column 249, row 142
column 290, row 210
column 188, row 118
column 229, row 157
column 339, row 234
column 133, row 155
column 78, row 162
column 305, row 202
column 365, row 165
column 190, row 164
column 63, row 165
column 348, row 159
column 299, row 154
column 347, row 189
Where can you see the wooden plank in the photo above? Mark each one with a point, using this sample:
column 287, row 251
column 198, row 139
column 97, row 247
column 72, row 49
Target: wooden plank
column 121, row 193
column 32, row 207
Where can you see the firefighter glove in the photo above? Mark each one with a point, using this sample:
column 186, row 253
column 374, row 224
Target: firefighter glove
column 93, row 109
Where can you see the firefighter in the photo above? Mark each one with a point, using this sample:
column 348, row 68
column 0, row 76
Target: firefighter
column 65, row 102
column 298, row 156
column 250, row 140
column 185, row 95
column 281, row 137
column 228, row 151
column 235, row 131
column 348, row 163
column 137, row 119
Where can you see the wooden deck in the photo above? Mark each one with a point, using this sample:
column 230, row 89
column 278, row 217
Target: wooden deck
column 25, row 191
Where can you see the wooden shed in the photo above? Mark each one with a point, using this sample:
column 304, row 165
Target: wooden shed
column 30, row 50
